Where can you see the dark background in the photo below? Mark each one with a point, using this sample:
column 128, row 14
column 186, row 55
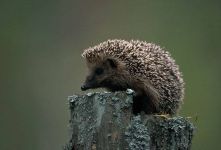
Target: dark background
column 40, row 61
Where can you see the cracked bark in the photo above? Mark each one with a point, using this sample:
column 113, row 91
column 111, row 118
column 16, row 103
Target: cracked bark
column 103, row 121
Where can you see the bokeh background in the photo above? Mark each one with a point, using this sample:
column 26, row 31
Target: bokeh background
column 41, row 42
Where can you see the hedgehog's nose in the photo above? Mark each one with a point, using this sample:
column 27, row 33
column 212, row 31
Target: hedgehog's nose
column 84, row 87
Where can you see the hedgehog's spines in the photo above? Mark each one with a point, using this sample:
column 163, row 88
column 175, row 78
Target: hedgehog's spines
column 147, row 62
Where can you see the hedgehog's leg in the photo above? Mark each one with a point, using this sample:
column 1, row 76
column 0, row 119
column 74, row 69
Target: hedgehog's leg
column 146, row 98
column 152, row 97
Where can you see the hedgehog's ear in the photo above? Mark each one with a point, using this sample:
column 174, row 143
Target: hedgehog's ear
column 112, row 63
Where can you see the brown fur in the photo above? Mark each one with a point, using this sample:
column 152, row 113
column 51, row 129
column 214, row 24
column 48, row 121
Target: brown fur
column 116, row 78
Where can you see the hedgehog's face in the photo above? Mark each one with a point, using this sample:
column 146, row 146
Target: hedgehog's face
column 103, row 74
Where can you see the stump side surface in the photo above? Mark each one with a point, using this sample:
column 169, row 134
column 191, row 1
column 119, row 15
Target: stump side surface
column 104, row 121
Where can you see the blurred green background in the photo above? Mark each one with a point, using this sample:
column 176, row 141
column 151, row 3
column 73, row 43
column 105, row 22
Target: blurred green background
column 40, row 63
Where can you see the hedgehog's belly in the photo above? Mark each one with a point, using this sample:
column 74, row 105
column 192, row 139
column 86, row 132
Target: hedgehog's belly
column 143, row 103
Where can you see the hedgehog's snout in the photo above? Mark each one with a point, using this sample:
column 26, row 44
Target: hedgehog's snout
column 89, row 83
column 83, row 88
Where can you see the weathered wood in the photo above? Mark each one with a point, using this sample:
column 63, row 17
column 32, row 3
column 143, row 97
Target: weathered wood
column 104, row 121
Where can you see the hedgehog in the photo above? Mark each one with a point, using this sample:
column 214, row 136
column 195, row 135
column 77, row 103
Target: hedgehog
column 146, row 68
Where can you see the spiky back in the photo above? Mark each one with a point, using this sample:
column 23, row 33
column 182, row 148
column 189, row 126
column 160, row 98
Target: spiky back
column 143, row 60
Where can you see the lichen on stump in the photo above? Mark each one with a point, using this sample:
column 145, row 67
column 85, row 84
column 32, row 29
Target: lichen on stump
column 101, row 121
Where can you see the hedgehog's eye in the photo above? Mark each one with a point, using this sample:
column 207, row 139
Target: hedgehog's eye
column 99, row 71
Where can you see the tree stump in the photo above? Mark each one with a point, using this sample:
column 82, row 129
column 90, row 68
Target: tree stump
column 104, row 121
